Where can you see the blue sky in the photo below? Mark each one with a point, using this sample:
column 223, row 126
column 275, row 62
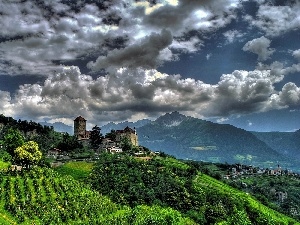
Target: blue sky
column 229, row 61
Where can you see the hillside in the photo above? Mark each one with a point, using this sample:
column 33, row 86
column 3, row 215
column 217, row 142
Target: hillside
column 196, row 139
column 42, row 196
column 166, row 181
column 286, row 143
column 128, row 191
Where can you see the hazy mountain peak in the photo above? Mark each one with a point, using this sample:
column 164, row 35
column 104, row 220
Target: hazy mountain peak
column 171, row 119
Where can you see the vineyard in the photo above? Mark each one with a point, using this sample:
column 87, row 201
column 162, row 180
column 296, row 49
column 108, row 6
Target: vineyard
column 41, row 196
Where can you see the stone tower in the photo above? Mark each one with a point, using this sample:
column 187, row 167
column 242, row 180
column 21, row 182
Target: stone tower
column 80, row 127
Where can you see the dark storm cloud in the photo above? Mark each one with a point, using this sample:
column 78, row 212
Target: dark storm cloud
column 144, row 54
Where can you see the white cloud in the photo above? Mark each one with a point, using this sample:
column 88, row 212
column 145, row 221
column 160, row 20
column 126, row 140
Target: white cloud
column 233, row 35
column 296, row 54
column 222, row 120
column 127, row 93
column 276, row 20
column 208, row 56
column 261, row 47
column 290, row 95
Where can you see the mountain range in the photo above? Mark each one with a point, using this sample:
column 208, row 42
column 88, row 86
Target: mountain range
column 190, row 138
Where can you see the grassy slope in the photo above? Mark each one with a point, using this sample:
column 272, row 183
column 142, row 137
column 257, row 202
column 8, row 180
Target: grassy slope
column 205, row 182
column 78, row 170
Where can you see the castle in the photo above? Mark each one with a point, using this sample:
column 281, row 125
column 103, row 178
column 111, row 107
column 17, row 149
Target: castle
column 128, row 133
column 82, row 134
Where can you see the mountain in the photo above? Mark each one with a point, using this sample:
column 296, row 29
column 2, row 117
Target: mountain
column 191, row 138
column 286, row 143
column 120, row 126
column 59, row 127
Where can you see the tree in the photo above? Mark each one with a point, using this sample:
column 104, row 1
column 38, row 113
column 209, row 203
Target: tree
column 28, row 154
column 96, row 137
column 112, row 135
column 12, row 139
column 126, row 144
column 69, row 143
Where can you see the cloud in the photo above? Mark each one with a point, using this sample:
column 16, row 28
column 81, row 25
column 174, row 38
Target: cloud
column 276, row 20
column 296, row 54
column 144, row 54
column 233, row 35
column 259, row 46
column 37, row 36
column 241, row 92
column 192, row 15
column 129, row 40
column 126, row 93
column 208, row 56
column 290, row 95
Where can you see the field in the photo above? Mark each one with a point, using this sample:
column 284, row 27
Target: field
column 78, row 170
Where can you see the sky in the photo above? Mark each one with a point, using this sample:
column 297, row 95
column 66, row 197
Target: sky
column 228, row 61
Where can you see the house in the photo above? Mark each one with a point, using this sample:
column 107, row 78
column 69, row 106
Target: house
column 107, row 143
column 16, row 168
column 281, row 196
column 114, row 150
column 54, row 153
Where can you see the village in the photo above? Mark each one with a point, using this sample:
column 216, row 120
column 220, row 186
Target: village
column 111, row 145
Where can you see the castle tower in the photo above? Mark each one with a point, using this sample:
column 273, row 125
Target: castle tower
column 80, row 127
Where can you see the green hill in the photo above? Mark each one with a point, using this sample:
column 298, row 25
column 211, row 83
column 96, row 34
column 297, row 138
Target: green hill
column 160, row 191
column 41, row 196
column 169, row 182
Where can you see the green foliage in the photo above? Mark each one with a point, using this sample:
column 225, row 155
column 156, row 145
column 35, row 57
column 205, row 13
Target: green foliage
column 131, row 181
column 169, row 182
column 69, row 143
column 79, row 170
column 4, row 165
column 239, row 205
column 41, row 196
column 28, row 154
column 96, row 137
column 47, row 140
column 112, row 135
column 266, row 188
column 126, row 144
column 5, row 156
column 12, row 139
